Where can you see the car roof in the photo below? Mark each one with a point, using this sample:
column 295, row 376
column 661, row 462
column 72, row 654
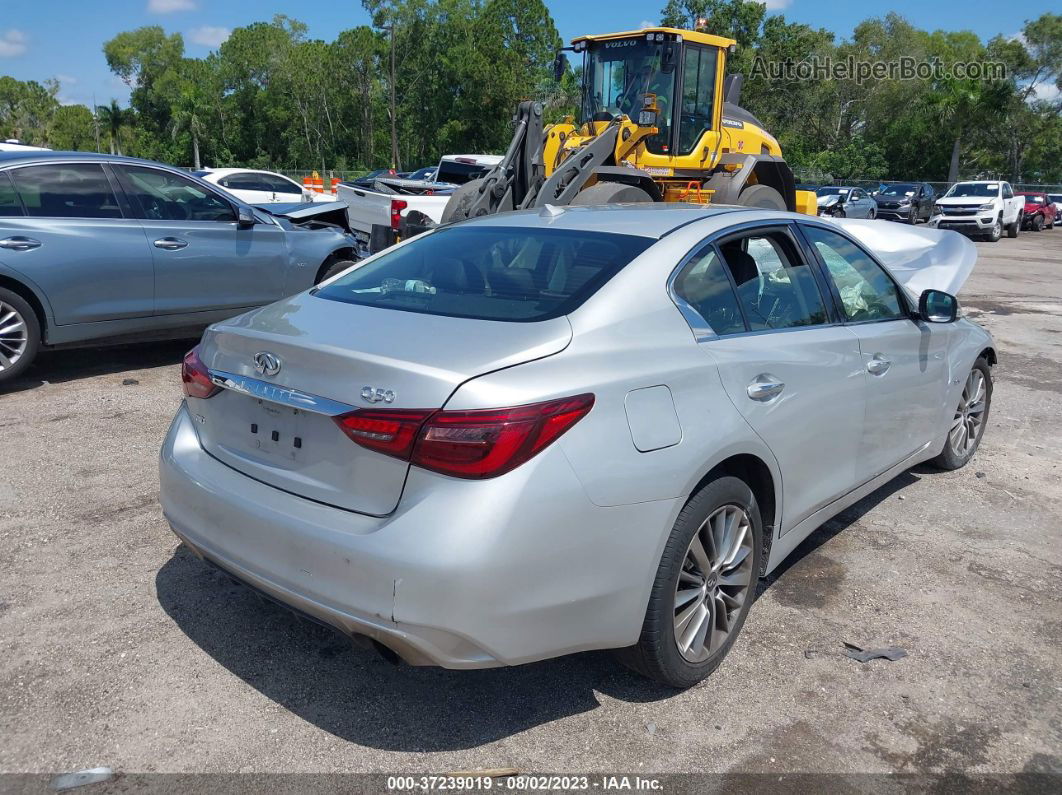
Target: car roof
column 653, row 220
column 222, row 172
column 8, row 158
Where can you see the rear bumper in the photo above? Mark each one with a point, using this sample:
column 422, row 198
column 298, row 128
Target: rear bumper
column 465, row 574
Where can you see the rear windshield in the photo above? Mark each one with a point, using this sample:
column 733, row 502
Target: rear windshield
column 490, row 273
column 459, row 173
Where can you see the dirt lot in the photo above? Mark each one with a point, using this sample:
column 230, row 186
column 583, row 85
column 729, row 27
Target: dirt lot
column 121, row 649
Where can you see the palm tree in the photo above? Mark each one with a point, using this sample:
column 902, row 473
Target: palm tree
column 112, row 118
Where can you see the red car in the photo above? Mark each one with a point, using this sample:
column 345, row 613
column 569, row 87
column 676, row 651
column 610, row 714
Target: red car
column 1039, row 211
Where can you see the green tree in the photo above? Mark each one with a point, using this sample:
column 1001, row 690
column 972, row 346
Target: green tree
column 113, row 120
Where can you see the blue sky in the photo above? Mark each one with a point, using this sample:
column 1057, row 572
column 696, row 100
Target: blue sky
column 64, row 38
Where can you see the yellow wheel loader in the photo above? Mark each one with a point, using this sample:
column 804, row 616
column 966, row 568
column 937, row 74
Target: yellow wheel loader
column 659, row 120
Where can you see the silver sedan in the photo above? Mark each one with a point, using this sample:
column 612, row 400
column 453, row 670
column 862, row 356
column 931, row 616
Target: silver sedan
column 544, row 432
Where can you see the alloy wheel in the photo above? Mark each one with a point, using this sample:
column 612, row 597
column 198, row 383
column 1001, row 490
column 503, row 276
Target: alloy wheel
column 14, row 337
column 715, row 581
column 969, row 416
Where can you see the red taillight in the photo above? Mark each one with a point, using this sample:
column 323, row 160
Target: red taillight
column 196, row 377
column 466, row 444
column 397, row 206
column 390, row 431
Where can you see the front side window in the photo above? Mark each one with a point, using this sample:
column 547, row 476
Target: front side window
column 161, row 196
column 490, row 273
column 66, row 190
column 704, row 285
column 243, row 182
column 867, row 293
column 775, row 288
column 9, row 203
column 1008, row 192
column 698, row 94
column 618, row 74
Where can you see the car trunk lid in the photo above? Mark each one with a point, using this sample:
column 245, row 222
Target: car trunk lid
column 277, row 427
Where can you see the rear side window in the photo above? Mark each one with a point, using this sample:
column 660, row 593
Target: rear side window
column 775, row 288
column 9, row 203
column 459, row 173
column 66, row 190
column 705, row 286
column 490, row 273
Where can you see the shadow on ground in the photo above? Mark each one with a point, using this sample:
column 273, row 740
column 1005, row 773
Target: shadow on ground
column 318, row 675
column 71, row 364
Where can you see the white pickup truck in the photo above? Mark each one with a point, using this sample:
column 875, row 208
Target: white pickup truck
column 376, row 212
column 979, row 208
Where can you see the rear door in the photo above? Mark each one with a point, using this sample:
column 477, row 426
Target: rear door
column 76, row 243
column 904, row 360
column 793, row 373
column 247, row 187
column 203, row 259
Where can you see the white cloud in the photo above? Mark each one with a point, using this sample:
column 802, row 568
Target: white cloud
column 647, row 24
column 209, row 35
column 777, row 5
column 12, row 43
column 169, row 6
column 1047, row 91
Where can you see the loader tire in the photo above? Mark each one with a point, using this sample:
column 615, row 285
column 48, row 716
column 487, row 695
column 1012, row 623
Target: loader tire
column 762, row 196
column 611, row 193
column 460, row 200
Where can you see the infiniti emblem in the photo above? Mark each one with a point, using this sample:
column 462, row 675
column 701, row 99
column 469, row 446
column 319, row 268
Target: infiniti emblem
column 266, row 363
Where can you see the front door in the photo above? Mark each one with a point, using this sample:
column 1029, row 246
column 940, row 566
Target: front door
column 904, row 359
column 204, row 260
column 795, row 376
column 73, row 240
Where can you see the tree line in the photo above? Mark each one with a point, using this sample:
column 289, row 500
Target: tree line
column 431, row 77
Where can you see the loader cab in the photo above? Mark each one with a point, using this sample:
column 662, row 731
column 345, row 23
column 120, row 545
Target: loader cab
column 682, row 69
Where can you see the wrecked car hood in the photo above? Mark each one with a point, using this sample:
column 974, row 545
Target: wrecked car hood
column 334, row 213
column 919, row 258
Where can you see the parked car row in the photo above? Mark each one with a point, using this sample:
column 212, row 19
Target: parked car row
column 979, row 208
column 94, row 247
column 906, row 202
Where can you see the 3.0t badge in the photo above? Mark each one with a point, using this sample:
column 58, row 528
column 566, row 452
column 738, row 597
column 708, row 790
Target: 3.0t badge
column 266, row 363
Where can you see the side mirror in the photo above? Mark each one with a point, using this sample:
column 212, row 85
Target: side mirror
column 560, row 66
column 667, row 58
column 937, row 306
column 245, row 217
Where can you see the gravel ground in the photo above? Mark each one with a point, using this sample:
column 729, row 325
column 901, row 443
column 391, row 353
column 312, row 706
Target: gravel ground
column 121, row 649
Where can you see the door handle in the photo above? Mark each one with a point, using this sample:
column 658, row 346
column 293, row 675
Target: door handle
column 19, row 243
column 878, row 365
column 170, row 243
column 765, row 387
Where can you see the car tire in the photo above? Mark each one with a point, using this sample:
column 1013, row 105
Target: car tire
column 20, row 335
column 1038, row 223
column 997, row 231
column 873, row 214
column 964, row 435
column 762, row 196
column 912, row 217
column 1014, row 228
column 611, row 193
column 334, row 266
column 724, row 510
